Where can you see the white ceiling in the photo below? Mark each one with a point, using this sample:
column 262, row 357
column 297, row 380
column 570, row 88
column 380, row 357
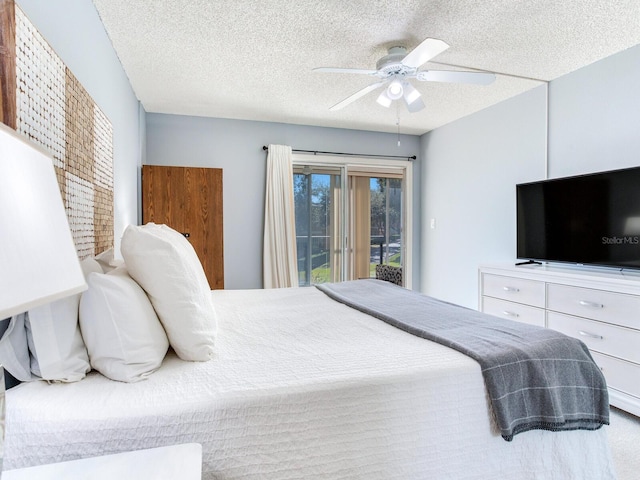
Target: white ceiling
column 253, row 59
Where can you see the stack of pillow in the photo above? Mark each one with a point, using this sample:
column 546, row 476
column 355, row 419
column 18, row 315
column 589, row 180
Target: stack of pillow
column 123, row 324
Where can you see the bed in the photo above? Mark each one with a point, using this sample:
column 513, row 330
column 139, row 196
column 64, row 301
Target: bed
column 300, row 386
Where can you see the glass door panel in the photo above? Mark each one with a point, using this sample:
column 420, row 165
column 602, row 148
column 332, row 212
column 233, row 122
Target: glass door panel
column 318, row 212
column 386, row 222
column 376, row 226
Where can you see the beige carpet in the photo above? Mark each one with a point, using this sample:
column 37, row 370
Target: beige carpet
column 624, row 438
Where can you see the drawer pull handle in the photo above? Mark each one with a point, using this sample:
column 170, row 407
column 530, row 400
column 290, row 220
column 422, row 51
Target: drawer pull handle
column 511, row 289
column 584, row 303
column 590, row 335
column 510, row 314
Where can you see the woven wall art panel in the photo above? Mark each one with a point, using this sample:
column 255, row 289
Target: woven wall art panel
column 52, row 109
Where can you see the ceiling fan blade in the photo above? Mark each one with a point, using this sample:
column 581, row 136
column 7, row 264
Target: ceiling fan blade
column 345, row 70
column 424, row 52
column 415, row 106
column 475, row 78
column 357, row 95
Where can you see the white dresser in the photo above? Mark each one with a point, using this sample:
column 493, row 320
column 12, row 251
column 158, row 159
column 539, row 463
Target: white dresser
column 601, row 307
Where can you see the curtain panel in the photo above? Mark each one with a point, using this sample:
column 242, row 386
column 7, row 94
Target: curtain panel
column 279, row 256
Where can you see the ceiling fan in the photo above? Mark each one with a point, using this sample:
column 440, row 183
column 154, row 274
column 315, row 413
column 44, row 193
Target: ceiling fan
column 395, row 68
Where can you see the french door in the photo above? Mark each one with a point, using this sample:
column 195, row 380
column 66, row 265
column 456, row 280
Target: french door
column 350, row 217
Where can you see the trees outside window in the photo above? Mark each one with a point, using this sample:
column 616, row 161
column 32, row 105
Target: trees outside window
column 313, row 203
column 348, row 219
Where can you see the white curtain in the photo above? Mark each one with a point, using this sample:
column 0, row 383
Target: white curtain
column 279, row 259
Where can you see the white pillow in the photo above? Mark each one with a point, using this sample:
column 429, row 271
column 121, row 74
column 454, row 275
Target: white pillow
column 90, row 265
column 107, row 260
column 124, row 337
column 167, row 267
column 14, row 352
column 57, row 350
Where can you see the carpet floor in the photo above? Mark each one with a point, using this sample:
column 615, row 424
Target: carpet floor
column 624, row 438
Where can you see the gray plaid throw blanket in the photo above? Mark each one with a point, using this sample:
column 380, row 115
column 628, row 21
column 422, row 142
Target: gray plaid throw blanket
column 537, row 378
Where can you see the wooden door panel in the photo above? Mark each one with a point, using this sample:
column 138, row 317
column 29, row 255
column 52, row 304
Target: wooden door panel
column 203, row 219
column 189, row 200
column 163, row 196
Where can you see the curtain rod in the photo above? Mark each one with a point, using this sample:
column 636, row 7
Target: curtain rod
column 316, row 152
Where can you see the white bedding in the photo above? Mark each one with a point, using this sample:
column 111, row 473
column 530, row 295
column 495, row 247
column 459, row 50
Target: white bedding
column 301, row 387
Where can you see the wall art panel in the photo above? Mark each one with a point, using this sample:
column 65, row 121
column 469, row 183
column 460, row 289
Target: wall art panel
column 52, row 108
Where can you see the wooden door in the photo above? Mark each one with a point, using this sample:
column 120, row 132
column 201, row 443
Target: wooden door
column 188, row 200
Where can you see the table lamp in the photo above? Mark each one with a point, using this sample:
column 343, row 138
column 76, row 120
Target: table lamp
column 38, row 259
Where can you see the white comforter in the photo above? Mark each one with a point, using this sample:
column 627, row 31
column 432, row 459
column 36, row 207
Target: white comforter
column 301, row 387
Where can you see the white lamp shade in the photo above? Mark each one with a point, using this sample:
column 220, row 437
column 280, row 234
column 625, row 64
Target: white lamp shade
column 384, row 100
column 395, row 90
column 38, row 260
column 410, row 93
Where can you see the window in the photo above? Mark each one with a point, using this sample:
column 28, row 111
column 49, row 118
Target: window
column 350, row 217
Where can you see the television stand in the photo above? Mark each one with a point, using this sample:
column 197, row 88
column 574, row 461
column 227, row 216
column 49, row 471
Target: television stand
column 528, row 262
column 600, row 307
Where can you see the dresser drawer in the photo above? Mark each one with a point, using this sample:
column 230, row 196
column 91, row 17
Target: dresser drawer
column 601, row 337
column 513, row 311
column 620, row 375
column 610, row 307
column 529, row 292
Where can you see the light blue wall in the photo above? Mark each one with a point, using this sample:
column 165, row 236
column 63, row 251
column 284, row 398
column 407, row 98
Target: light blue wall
column 471, row 167
column 236, row 147
column 75, row 32
column 595, row 117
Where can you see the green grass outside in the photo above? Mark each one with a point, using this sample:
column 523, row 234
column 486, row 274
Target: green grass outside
column 322, row 274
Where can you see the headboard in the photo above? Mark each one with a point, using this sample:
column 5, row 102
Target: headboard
column 45, row 102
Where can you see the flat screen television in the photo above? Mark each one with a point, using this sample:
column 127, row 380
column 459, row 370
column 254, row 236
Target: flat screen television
column 589, row 219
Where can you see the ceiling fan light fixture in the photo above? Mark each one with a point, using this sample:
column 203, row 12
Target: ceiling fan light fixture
column 395, row 69
column 411, row 94
column 383, row 99
column 395, row 90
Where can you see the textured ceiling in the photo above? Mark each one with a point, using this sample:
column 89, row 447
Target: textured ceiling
column 254, row 60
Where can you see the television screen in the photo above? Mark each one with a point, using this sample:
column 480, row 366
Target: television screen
column 587, row 219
